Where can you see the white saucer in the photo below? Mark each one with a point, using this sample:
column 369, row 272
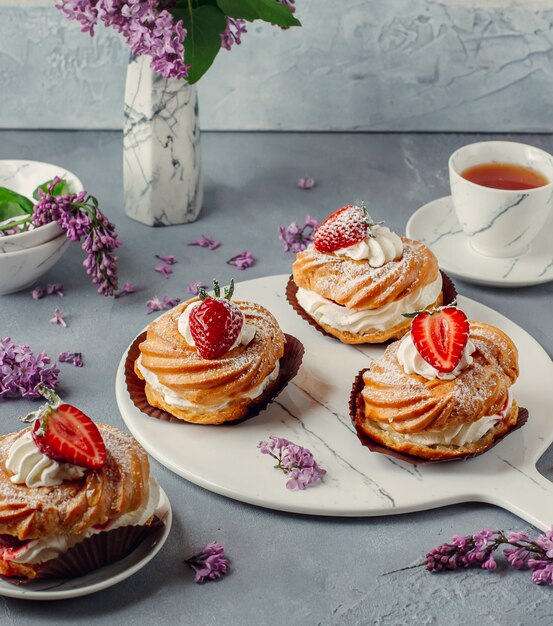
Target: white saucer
column 436, row 225
column 50, row 589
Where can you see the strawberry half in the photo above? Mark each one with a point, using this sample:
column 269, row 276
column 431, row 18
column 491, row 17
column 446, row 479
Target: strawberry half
column 440, row 337
column 344, row 228
column 216, row 323
column 65, row 434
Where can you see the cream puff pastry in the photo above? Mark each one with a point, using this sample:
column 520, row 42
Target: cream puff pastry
column 358, row 278
column 409, row 405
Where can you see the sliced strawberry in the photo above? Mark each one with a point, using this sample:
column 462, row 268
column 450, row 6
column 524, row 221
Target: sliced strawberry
column 342, row 229
column 215, row 325
column 67, row 435
column 440, row 337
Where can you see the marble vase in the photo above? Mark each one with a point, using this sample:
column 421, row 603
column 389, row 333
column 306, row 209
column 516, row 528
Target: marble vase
column 161, row 148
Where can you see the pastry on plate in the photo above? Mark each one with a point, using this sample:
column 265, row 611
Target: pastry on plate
column 74, row 495
column 357, row 278
column 442, row 392
column 211, row 360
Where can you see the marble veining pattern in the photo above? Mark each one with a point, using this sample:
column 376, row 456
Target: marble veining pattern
column 161, row 148
column 397, row 65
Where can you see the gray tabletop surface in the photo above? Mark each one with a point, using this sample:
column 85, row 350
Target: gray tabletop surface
column 287, row 569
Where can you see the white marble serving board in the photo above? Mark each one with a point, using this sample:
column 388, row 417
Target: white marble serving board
column 313, row 411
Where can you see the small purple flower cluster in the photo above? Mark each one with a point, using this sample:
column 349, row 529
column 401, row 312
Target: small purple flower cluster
column 155, row 304
column 53, row 289
column 21, row 372
column 210, row 564
column 76, row 358
column 233, row 33
column 295, row 461
column 146, row 26
column 127, row 289
column 478, row 550
column 243, row 260
column 78, row 214
column 205, row 242
column 296, row 238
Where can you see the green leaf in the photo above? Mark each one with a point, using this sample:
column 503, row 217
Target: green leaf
column 267, row 10
column 14, row 203
column 59, row 190
column 203, row 41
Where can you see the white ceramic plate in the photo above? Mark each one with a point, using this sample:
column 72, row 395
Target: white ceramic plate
column 436, row 225
column 313, row 411
column 99, row 579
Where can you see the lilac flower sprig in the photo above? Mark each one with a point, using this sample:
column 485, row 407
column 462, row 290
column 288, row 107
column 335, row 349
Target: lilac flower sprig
column 295, row 461
column 296, row 238
column 75, row 358
column 210, row 564
column 21, row 372
column 78, row 214
column 155, row 304
column 243, row 260
column 205, row 242
column 479, row 550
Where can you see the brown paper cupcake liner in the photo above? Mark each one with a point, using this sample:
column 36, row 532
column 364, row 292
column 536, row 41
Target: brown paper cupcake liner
column 448, row 290
column 289, row 365
column 96, row 552
column 357, row 413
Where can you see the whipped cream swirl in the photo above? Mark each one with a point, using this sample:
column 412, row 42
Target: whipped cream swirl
column 246, row 334
column 413, row 363
column 32, row 468
column 379, row 247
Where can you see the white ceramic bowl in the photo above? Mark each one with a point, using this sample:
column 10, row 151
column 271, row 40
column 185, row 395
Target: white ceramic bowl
column 20, row 269
column 24, row 177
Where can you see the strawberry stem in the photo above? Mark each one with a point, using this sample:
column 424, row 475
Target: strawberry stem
column 53, row 402
column 216, row 288
column 229, row 290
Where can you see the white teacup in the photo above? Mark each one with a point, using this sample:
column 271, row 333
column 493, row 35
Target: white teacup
column 500, row 222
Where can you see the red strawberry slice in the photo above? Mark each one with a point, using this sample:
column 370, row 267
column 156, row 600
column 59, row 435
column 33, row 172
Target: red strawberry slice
column 215, row 324
column 65, row 434
column 342, row 229
column 440, row 337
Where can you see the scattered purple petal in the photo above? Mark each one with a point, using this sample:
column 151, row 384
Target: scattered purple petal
column 155, row 304
column 21, row 372
column 205, row 242
column 76, row 358
column 55, row 289
column 296, row 238
column 210, row 564
column 295, row 461
column 58, row 318
column 243, row 260
column 163, row 269
column 306, row 182
column 169, row 260
column 128, row 288
column 37, row 293
column 194, row 288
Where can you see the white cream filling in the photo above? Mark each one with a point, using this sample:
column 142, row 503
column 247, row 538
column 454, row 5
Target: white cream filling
column 457, row 434
column 175, row 400
column 44, row 549
column 412, row 362
column 247, row 333
column 32, row 468
column 380, row 248
column 362, row 321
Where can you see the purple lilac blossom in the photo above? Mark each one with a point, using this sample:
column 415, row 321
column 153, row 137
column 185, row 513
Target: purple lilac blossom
column 79, row 215
column 168, row 260
column 76, row 358
column 127, row 289
column 146, row 26
column 37, row 293
column 233, row 33
column 306, row 182
column 205, row 242
column 21, row 372
column 194, row 288
column 163, row 269
column 296, row 238
column 243, row 260
column 155, row 304
column 295, row 461
column 58, row 318
column 210, row 564
column 52, row 289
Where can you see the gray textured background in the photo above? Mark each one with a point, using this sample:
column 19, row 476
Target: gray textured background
column 462, row 65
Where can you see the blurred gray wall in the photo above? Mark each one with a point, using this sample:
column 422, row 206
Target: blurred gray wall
column 382, row 65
